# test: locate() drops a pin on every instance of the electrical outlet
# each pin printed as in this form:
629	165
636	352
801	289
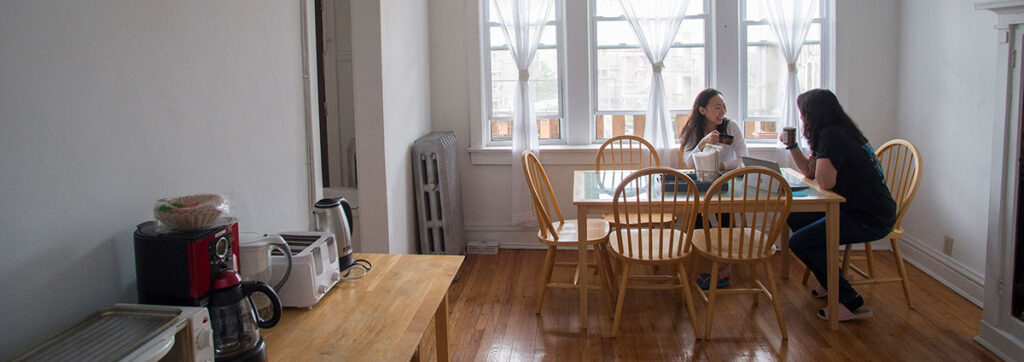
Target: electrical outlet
947	246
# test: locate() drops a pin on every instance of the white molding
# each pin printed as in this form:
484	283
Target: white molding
1002	344
950	272
998	325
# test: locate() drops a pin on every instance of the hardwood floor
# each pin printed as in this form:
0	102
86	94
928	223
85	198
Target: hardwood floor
492	319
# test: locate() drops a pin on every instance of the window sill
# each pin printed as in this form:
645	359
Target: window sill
572	154
549	155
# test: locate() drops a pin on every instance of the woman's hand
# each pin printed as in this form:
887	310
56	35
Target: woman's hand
711	138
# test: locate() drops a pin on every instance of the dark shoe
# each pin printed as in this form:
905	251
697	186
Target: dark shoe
704	281
846	314
819	292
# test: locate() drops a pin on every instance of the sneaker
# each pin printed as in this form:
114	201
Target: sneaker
704	281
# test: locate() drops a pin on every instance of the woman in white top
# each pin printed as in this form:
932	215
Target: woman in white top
707	125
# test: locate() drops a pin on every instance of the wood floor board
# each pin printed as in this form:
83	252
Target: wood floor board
491	318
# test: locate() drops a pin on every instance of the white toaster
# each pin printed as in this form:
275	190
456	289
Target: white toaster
315	267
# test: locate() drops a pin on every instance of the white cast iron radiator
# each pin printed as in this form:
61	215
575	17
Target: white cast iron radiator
438	194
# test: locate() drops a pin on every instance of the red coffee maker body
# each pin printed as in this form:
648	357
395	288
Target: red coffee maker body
178	267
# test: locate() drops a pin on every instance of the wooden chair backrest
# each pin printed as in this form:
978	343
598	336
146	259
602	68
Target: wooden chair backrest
901	166
643	193
544	201
626	153
750	207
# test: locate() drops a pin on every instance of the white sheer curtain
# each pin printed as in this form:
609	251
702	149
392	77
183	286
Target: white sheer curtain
655	23
789	21
522	22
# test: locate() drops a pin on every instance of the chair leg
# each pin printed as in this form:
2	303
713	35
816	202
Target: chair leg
846	260
622	299
712	293
688	299
785	252
602	270
775	300
807	275
871	260
753	277
549	264
903	272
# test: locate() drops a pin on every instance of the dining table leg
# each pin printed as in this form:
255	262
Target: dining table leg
584	282
441	329
832	249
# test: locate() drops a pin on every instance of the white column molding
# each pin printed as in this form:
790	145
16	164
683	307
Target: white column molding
1000	331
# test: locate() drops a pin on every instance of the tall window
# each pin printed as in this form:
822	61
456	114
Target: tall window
502	75
622	73
764	70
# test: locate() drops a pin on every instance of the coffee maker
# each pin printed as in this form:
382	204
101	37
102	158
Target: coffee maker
178	267
236	324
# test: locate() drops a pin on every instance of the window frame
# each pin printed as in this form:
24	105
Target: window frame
725	68
486	48
826	42
709	66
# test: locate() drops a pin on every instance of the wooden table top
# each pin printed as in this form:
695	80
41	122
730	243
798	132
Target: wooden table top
381	317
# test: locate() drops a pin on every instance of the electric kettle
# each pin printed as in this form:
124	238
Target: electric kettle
236	326
335	215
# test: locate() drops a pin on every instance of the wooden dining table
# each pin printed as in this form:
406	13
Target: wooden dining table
593	192
381	317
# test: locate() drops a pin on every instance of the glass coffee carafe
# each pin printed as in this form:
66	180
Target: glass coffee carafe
236	324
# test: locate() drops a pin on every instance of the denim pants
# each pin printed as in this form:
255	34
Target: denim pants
808	243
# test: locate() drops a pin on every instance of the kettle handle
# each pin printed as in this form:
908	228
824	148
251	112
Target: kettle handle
282	246
314	221
248	288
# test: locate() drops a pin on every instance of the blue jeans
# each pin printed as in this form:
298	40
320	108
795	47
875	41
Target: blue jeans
808	243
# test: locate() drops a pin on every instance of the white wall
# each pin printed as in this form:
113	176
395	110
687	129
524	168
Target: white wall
406	62
867	52
867	47
108	105
391	74
947	84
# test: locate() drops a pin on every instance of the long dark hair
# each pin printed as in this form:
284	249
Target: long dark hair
694	129
821	109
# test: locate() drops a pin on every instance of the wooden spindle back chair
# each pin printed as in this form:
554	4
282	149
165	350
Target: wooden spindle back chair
758	201
901	165
555	231
626	153
669	195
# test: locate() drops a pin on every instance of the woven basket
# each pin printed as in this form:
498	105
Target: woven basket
205	212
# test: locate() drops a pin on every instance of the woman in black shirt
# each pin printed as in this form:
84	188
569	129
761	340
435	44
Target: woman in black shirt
844	162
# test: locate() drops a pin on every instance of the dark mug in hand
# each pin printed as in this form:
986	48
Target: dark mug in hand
789	136
725	139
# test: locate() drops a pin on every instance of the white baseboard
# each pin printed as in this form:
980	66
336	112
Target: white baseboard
1002	344
948	271
507	236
